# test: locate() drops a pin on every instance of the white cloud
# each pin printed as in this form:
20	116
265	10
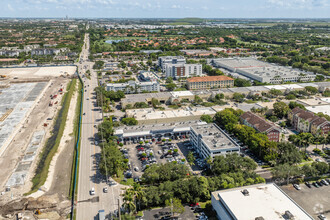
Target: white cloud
291	4
176	6
10	8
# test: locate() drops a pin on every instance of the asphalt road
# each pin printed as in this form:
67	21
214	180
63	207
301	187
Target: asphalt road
89	176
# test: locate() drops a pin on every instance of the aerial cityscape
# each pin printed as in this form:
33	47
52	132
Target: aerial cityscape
206	110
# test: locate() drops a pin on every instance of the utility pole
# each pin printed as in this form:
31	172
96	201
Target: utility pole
172	207
119	214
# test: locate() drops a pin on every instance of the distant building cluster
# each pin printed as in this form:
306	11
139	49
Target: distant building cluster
262	71
304	121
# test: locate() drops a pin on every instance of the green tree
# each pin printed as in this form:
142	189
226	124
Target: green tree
170	86
191	158
169	80
281	109
175	205
285	172
155	103
242	82
238	97
207	118
129	121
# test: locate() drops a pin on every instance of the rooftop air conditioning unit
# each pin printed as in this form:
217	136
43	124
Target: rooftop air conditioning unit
245	192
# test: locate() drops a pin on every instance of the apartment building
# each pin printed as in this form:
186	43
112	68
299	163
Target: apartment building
209	141
304	121
183	70
134	87
261	125
45	51
162	61
210	82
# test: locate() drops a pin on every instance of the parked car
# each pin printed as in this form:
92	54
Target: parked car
320	183
325	182
308	184
105	189
322	217
316	185
296	186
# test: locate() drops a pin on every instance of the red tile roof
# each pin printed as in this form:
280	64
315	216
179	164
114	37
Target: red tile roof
209	78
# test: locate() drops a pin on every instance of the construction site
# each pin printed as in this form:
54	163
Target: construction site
30	101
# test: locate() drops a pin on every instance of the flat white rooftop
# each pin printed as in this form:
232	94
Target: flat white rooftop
266	200
292	86
325	109
278	87
181	93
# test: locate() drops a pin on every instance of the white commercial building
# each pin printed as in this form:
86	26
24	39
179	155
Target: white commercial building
256	202
134	87
183	70
162	61
263	71
209	141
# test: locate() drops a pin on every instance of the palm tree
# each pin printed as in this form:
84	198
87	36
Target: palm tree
128	199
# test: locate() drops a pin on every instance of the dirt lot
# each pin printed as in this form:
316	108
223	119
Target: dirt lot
313	200
58	186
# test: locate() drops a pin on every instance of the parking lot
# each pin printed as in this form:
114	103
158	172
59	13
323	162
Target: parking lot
143	153
313	200
190	213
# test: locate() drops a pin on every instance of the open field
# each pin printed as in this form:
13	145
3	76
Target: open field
37	72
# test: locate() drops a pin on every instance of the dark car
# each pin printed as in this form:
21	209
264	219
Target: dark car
320	183
308	184
316	185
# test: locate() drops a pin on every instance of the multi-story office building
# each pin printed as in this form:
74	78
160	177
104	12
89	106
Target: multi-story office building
261	125
210	82
134	87
162	61
210	141
183	70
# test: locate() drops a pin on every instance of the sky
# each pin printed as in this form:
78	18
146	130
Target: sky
166	8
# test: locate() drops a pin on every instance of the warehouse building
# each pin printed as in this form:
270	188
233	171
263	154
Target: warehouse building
258	202
210	82
262	71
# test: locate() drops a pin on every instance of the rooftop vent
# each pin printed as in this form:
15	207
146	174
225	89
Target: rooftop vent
259	218
246	193
288	215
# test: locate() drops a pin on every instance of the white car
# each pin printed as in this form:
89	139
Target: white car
297	186
92	191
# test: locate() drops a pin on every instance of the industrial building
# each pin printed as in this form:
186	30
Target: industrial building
210	82
262	71
134	87
162	61
258	202
209	141
183	70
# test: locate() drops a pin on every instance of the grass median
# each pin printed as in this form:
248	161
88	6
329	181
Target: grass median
75	132
53	142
